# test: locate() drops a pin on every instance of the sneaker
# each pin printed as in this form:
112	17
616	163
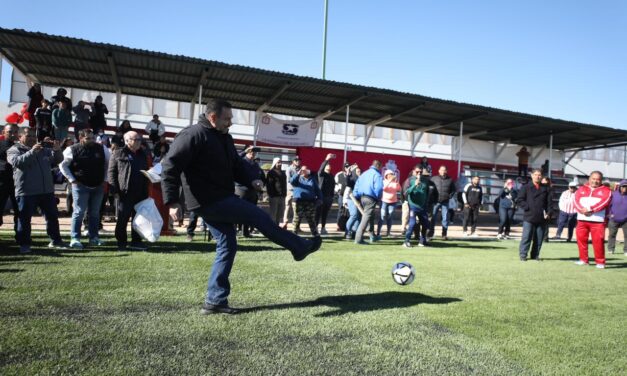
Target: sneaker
430	238
600	266
76	244
421	244
387	234
85	232
189	238
466	233
24	249
323	231
444	237
361	242
523	259
57	245
210	309
474	235
96	241
500	237
137	247
580	263
373	238
407	244
556	238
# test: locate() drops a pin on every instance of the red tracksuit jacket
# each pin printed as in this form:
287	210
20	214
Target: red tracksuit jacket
596	200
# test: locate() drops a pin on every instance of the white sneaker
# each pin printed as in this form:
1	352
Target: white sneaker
466	234
407	244
600	266
86	232
420	245
499	237
75	243
580	263
323	231
474	235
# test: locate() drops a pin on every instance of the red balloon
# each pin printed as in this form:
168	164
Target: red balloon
24	108
26	116
12	118
20	119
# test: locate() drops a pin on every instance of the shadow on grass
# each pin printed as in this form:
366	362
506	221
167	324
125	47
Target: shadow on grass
11	270
449	244
344	304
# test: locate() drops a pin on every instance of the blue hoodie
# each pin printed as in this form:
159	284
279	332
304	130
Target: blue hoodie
618	207
306	189
370	183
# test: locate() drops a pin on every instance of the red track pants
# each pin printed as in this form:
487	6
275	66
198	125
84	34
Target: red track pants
596	231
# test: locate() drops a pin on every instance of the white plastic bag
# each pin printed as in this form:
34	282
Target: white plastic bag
147	221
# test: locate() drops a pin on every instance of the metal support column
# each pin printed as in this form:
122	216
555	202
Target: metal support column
191	112
118	105
624	161
348	110
324	42
459	152
258	115
550	154
321	131
199	99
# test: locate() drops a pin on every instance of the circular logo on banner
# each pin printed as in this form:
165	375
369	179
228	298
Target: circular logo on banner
265	119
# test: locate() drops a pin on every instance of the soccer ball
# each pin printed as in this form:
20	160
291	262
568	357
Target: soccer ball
403	273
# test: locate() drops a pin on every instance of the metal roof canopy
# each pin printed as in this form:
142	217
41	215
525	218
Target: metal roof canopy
62	61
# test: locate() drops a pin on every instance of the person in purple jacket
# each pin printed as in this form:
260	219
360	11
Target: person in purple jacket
618	217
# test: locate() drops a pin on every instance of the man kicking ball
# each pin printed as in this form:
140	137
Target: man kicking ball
204	161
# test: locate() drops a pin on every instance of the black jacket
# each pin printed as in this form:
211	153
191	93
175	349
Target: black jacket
276	183
445	186
205	162
534	202
326	181
6	170
120	171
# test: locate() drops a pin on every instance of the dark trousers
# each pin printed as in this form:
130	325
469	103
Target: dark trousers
126	210
470	217
367	219
252	197
7	191
611	240
533	235
506	217
566	220
423	221
523	169
322	211
27	206
193	223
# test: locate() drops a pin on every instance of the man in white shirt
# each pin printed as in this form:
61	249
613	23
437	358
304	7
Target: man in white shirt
155	129
568	213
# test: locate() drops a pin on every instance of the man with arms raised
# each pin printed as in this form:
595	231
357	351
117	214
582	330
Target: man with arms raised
191	163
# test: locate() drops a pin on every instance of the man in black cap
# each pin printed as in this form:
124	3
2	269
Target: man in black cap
191	162
341	178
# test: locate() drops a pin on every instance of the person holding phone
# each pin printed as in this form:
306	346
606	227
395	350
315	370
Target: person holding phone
32	164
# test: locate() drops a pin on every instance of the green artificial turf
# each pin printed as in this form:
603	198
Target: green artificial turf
473	308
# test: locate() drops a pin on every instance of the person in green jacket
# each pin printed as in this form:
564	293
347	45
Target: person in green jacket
61	119
418	197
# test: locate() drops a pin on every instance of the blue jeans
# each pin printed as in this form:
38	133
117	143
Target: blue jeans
533	234
566	220
220	218
26	206
86	199
353	220
506	218
423	218
386	215
445	223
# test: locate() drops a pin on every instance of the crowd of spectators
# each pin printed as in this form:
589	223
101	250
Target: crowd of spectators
70	143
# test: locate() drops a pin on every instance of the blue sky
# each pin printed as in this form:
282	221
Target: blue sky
562	59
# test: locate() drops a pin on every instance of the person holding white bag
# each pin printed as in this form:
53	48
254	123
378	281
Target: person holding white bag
128	182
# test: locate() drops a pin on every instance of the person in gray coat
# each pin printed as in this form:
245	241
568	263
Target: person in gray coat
32	163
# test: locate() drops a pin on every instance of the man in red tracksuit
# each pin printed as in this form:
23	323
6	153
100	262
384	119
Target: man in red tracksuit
592	202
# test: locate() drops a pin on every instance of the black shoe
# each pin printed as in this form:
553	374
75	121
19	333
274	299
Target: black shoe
210	309
523	259
316	242
137	247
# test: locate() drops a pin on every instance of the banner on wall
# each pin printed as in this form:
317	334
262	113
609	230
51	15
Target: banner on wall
287	132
